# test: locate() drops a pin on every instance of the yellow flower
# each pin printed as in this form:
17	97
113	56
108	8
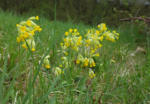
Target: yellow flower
97	54
97	32
114	32
26	35
110	36
23	28
70	30
29	43
78	33
75	30
26	30
100	45
92	63
101	38
17	25
33	49
47	66
89	31
79	41
93	51
32	32
58	71
80	38
88	41
38	28
67	44
65	39
91	74
66	33
28	22
86	62
37	17
117	38
77	61
61	44
24	46
46	62
89	47
102	27
18	40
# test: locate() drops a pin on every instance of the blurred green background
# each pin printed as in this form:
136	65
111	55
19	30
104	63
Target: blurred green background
86	11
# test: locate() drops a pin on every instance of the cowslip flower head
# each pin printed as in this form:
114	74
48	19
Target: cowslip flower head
91	74
102	27
46	63
29	43
58	71
26	32
84	48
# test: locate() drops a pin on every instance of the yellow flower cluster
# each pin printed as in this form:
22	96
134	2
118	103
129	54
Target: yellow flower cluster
111	36
46	62
58	71
85	49
26	32
76	49
73	40
91	74
85	62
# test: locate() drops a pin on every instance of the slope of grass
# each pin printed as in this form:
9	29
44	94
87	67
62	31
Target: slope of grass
125	81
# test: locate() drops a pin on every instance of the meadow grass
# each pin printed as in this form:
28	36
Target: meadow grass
24	81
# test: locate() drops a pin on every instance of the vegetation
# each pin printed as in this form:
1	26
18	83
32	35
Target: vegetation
121	72
87	11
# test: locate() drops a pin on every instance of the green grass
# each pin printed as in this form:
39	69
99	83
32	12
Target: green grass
124	82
